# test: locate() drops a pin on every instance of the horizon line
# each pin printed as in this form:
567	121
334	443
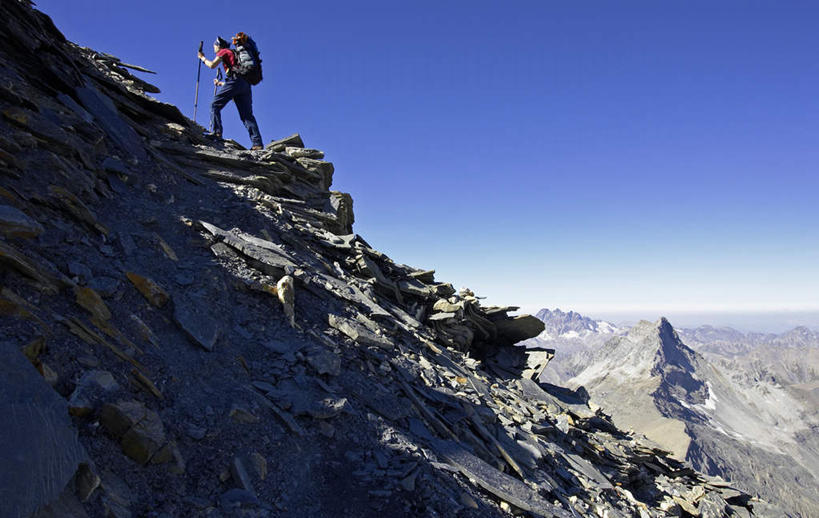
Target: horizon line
711	310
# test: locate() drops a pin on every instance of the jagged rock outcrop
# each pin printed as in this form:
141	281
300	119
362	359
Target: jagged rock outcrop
361	387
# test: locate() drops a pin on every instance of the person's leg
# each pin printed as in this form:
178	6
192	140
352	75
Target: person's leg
244	103
220	100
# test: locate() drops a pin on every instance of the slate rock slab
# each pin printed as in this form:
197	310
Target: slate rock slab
519	328
107	117
504	486
39	449
199	326
293	140
325	362
15	223
358	332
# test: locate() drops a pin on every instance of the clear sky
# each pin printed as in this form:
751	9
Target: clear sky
597	156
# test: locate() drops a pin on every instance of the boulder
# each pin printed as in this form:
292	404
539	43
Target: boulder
39	449
516	329
139	430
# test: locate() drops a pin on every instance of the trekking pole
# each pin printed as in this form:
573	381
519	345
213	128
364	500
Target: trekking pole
218	78
198	73
215	87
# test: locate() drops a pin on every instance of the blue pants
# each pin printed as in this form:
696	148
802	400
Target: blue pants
239	90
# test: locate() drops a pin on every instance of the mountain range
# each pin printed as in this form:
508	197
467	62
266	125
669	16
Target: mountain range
739	405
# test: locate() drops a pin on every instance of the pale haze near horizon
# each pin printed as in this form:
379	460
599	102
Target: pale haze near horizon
636	158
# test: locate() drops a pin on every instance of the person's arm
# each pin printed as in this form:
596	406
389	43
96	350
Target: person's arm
208	63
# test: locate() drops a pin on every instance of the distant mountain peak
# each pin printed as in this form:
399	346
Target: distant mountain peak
570	325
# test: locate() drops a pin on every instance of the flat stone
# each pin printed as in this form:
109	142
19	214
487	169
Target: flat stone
293	140
445	306
505	487
519	328
325	362
300	152
440	317
197	433
275	260
242	415
15	223
259	464
31	268
358	332
327	408
240	476
200	327
90	300
86	482
91	391
184	278
39	448
76	108
107	117
425	276
415	287
350	292
153	292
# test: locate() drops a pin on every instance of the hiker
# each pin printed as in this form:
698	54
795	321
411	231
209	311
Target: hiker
234	87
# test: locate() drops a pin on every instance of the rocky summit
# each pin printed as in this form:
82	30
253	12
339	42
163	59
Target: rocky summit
190	328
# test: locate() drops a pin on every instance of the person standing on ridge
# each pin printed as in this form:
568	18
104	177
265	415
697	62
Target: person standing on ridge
234	87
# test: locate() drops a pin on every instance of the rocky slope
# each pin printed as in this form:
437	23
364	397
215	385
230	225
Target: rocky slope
722	418
192	329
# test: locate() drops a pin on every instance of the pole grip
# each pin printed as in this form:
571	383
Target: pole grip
201	44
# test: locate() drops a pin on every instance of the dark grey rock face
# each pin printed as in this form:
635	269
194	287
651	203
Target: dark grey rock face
39	449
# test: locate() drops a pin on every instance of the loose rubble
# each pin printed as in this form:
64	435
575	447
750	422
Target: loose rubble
231	348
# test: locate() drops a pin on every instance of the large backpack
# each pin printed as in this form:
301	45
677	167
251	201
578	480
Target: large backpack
248	63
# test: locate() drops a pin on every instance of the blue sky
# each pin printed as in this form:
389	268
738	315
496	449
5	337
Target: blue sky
635	157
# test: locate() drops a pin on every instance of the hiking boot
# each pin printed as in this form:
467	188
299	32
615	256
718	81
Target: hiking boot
256	148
